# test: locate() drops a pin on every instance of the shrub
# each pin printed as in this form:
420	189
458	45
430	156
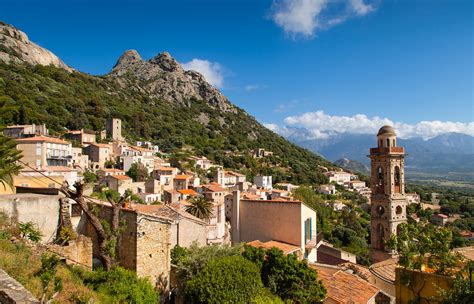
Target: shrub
121	285
225	280
30	231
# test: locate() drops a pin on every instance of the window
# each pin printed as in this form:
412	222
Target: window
399	210
38	163
379	185
307	230
388	142
380	210
396	179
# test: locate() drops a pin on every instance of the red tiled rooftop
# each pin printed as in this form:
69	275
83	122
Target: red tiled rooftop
188	192
343	287
43	139
285	247
182	176
120	176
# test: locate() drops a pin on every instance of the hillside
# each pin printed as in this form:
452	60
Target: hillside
157	101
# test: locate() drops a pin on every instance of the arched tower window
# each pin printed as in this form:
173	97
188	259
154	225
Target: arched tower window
393	143
396	178
380	143
388	142
379	180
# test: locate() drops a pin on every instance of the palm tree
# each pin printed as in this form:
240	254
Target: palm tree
9	156
200	208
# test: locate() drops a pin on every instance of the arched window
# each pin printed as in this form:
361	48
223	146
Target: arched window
388	142
396	178
393	143
399	210
379	180
380	143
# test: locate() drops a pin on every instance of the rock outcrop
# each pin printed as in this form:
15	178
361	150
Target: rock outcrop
163	77
16	47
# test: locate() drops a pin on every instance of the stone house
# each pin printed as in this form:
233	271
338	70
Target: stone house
119	183
141	155
81	137
202	162
338	177
439	219
98	155
181	182
145	242
80	161
20	131
228	178
165	175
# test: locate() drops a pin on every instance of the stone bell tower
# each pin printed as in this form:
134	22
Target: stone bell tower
387	182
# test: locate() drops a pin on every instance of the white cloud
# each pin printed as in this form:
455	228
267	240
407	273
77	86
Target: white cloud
212	71
253	87
321	125
306	17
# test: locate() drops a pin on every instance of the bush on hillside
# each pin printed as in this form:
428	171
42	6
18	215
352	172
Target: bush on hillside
226	280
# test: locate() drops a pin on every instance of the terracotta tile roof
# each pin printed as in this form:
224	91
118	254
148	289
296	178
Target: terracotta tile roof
361	271
163	168
112	170
285	247
188	192
343	287
120	176
214	187
166	211
385	270
250	196
43	139
182	176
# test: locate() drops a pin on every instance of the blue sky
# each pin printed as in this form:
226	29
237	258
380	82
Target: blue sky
317	64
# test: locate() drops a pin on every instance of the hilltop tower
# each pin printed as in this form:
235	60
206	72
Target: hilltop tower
387	182
113	127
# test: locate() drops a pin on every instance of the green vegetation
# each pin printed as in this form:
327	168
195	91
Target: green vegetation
9	156
347	229
138	172
200	208
40	94
220	274
29	231
286	276
230	279
45	277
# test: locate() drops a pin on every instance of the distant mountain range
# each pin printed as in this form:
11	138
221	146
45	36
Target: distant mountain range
450	155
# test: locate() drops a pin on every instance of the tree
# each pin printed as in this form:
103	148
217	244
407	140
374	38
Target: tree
9	157
425	245
138	172
107	232
30	231
225	280
200	208
286	276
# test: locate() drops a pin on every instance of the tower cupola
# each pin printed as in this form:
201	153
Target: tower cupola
386	137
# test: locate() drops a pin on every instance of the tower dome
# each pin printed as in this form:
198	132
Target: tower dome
387	130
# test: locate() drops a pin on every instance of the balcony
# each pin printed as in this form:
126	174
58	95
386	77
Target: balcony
387	150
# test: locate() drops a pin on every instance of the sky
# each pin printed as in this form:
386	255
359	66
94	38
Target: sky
326	66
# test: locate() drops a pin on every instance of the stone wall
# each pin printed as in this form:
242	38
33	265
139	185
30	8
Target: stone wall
40	209
77	252
12	292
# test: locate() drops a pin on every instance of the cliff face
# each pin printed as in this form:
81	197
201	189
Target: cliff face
163	77
16	47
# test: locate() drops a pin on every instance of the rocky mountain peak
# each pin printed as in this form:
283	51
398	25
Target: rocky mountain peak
163	77
166	62
16	47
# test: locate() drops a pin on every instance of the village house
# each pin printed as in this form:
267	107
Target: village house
80	161
286	248
277	193
412	198
328	254
202	162
98	154
228	178
43	151
181	182
215	194
148	145
134	154
286	186
21	131
165	175
290	222
337	205
171	196
356	184
259	153
109	171
82	137
338	177
186	194
262	181
117	182
439	219
327	189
